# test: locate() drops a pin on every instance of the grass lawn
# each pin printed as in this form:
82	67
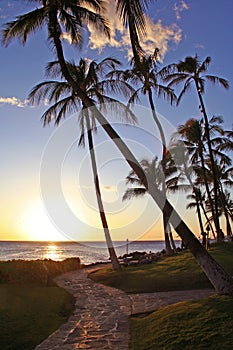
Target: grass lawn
179	272
192	325
28	314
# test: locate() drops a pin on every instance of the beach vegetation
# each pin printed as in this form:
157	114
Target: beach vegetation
178	272
35	272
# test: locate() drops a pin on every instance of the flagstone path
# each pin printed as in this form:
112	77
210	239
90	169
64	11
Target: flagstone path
101	316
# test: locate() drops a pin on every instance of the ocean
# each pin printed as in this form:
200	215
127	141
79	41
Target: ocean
88	252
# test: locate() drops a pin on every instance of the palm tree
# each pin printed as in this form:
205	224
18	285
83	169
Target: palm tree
60	93
162	172
145	74
48	14
186	72
192	136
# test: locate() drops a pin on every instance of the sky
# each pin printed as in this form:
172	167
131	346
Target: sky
46	184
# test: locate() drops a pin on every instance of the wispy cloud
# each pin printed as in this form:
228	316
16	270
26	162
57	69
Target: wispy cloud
199	46
180	7
14	101
109	188
158	35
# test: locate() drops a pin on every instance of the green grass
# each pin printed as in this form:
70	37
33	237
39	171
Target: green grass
179	272
202	324
191	325
29	314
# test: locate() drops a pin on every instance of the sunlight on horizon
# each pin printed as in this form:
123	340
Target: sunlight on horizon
38	227
52	252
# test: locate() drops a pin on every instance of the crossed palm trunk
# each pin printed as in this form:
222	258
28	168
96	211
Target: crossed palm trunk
111	250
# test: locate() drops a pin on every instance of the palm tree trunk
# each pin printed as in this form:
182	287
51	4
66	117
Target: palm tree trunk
168	248
221	281
171	238
216	216
164	152
225	209
199	216
111	250
207	220
196	197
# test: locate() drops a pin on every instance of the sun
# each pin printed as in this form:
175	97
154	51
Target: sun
37	225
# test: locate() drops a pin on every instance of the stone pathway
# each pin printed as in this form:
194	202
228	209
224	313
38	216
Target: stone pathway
101	316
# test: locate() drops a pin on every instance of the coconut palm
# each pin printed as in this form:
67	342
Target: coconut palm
48	14
162	172
192	136
145	74
186	72
64	100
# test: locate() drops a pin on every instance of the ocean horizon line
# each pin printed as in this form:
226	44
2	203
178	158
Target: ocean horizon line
81	241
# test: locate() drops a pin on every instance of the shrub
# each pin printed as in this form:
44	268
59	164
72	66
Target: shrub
38	272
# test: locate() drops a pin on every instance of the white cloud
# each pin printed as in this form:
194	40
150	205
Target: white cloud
158	35
67	37
180	7
14	101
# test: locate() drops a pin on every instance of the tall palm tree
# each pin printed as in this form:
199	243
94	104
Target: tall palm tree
64	100
48	14
186	72
145	74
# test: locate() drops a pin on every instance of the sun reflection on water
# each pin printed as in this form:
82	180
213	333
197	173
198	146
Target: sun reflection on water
53	252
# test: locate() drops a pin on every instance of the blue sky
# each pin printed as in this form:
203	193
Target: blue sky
179	29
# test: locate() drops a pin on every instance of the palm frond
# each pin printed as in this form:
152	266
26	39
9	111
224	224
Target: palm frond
216	80
133	193
23	26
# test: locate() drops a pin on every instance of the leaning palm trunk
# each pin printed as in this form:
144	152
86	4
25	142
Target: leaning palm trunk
221	281
171	238
111	250
199	217
167	234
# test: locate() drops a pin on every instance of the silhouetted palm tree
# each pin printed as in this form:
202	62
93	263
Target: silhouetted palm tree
186	72
145	74
163	173
64	100
49	14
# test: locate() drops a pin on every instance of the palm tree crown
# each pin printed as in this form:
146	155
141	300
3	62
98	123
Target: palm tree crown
66	16
191	70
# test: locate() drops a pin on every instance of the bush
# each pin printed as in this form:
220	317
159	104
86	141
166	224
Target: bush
37	272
